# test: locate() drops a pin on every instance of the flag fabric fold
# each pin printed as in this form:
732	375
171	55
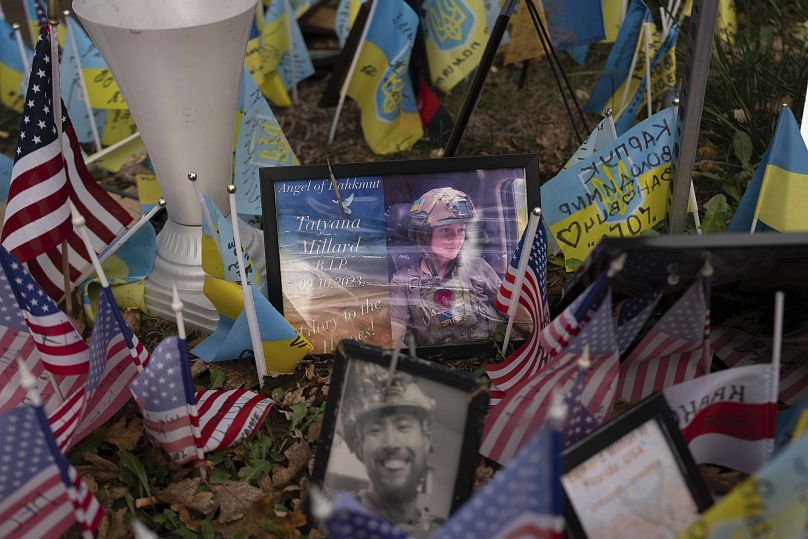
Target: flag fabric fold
728	417
381	84
529	357
574	23
48	171
675	350
41	495
780	184
587	321
116	356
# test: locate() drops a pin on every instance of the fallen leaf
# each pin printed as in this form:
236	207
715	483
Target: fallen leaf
99	467
313	432
293	397
198	368
234	498
117	492
239	373
125	435
184	493
117	527
297	455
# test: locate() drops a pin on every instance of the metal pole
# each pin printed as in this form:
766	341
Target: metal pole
694	86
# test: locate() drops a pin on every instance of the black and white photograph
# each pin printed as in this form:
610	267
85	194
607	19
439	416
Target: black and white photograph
402	444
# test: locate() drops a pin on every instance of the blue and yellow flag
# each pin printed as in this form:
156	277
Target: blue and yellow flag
574	23
260	142
73	95
12	70
609	89
621	190
283	347
347	10
252	58
772	502
381	84
455	34
663	78
779	188
102	89
280	72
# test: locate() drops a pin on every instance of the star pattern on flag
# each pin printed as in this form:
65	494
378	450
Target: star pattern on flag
39	127
105	331
24	453
161	384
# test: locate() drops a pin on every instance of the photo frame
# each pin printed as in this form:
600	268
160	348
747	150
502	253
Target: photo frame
360	270
643	448
421	438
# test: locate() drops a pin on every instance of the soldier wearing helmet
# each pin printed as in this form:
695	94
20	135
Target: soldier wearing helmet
390	433
445	295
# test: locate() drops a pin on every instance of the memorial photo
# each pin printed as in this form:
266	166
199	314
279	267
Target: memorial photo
386	247
402	444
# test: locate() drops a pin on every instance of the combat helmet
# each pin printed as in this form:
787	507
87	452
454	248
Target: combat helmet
365	398
439	206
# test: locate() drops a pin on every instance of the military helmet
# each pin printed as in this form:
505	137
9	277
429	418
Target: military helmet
365	398
440	206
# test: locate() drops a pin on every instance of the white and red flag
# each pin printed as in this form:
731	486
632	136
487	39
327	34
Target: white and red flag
728	417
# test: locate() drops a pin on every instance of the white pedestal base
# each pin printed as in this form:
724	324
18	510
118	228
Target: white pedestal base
179	261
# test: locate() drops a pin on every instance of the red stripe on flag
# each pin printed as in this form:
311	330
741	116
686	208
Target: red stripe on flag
739	420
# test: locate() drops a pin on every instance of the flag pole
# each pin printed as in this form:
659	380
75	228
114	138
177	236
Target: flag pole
28	383
247	293
21	47
694	203
111	148
71	37
777	338
556	416
648	90
28	19
193	410
192	177
343	92
629	77
516	291
290	42
804	124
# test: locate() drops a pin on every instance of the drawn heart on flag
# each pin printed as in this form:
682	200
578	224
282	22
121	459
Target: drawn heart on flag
570	235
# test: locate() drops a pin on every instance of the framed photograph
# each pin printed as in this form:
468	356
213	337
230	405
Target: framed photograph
419	245
633	478
406	447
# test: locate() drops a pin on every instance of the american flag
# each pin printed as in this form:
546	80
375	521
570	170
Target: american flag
580	422
631	315
349	520
116	356
675	350
519	501
165	393
48	171
523	411
529	357
41	495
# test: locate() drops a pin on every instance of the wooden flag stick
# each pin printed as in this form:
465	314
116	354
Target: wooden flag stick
71	38
516	291
193	410
247	293
343	92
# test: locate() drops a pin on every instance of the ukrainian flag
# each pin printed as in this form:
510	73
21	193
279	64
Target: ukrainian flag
277	58
381	84
12	70
772	502
609	90
778	191
102	89
347	10
252	59
283	347
455	36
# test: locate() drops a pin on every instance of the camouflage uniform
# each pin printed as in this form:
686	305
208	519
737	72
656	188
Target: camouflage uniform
458	306
365	400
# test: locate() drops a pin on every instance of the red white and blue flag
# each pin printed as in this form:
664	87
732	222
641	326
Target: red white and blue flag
529	357
48	172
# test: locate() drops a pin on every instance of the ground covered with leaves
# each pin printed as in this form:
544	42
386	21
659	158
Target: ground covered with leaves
259	488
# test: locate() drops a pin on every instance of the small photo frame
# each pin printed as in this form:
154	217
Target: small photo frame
419	245
408	453
633	478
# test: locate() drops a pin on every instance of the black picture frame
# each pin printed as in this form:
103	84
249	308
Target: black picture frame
413	171
652	410
472	391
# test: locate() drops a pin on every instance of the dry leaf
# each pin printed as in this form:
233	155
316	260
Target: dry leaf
239	373
234	499
132	319
297	455
198	368
123	435
99	467
117	492
293	397
184	493
117	527
313	433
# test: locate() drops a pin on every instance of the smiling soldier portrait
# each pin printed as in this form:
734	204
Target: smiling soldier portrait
391	435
